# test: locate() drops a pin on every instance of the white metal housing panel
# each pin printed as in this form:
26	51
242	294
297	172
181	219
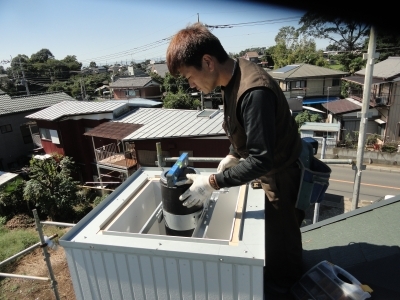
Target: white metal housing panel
94	288
186	279
81	268
113	280
101	275
257	282
171	269
123	275
147	275
137	284
73	273
243	282
212	277
160	278
227	283
199	280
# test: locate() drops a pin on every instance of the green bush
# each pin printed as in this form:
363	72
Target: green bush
389	147
12	199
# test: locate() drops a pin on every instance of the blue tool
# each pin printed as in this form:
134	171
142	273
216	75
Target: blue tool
176	170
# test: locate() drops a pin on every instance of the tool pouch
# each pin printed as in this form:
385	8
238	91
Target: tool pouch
314	178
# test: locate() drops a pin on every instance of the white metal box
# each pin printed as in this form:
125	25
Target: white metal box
115	253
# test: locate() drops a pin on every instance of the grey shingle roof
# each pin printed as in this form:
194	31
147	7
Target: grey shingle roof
73	108
131	82
385	69
306	71
168	123
18	104
365	242
160	69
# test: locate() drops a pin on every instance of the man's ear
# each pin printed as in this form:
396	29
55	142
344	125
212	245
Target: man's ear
208	62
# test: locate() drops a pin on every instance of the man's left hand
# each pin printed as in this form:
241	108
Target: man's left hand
198	192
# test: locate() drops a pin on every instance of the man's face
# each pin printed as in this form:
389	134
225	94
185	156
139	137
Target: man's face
203	80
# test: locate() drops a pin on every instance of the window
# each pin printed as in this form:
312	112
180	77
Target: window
335	82
130	93
323	133
45	133
26	134
298	84
6	128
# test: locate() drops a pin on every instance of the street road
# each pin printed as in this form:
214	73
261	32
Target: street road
374	183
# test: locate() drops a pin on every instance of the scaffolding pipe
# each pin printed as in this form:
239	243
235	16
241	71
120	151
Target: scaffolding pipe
23	276
46	254
27	250
58	223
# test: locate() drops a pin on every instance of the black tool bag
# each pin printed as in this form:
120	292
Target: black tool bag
314	178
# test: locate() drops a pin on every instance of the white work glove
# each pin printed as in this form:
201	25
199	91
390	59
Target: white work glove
228	162
198	192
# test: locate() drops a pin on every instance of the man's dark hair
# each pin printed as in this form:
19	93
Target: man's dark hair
189	45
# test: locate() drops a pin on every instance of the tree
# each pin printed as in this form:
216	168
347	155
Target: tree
387	44
11	199
344	34
306	116
42	56
92	64
347	35
180	100
174	84
291	47
51	186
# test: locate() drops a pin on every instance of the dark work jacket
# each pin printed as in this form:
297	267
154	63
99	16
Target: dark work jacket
249	76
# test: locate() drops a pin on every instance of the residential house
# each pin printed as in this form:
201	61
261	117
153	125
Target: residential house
16	138
197	132
134	87
346	113
364	242
385	96
318	131
314	84
252	56
62	127
160	69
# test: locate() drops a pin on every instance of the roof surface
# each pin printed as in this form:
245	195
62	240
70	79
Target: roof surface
73	108
160	69
141	102
303	71
167	123
343	106
316	126
361	79
130	82
385	69
113	130
365	242
18	104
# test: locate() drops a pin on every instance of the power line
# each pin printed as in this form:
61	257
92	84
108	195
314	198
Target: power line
272	21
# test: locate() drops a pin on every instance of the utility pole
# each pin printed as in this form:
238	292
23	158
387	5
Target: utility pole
370	56
198	18
23	78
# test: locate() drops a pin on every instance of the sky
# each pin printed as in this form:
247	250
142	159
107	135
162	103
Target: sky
115	31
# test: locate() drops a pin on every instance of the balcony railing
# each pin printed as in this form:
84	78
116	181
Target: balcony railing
112	156
377	99
308	92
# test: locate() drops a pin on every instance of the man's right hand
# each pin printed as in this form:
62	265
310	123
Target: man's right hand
228	162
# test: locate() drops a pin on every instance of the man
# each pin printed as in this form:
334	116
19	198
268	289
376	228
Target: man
261	130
